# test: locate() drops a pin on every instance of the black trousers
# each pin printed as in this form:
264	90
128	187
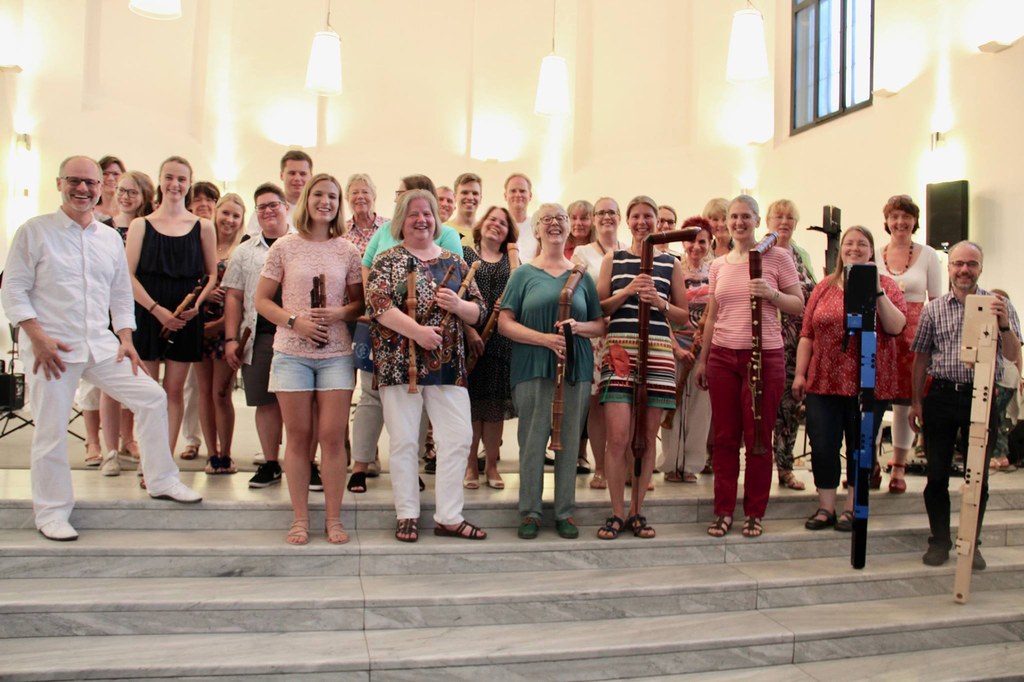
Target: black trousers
947	412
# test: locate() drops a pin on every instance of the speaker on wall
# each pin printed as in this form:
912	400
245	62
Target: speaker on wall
946	213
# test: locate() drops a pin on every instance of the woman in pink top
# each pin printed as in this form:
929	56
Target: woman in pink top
827	370
312	347
722	366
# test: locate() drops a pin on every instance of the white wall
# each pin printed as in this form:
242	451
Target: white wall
652	112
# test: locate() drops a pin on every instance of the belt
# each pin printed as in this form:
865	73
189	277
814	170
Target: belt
954	386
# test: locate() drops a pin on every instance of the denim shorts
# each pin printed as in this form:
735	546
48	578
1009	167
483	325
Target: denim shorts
289	373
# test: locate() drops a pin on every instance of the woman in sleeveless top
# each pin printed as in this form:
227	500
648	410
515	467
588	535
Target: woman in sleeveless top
623	290
168	252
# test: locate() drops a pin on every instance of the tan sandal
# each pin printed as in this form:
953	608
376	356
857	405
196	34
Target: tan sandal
190	452
336	534
787	479
131	450
298	532
599	482
93	455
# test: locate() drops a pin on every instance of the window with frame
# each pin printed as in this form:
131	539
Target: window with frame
832	54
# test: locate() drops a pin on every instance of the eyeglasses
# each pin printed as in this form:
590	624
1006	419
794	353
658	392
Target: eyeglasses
125	192
549	219
605	213
269	207
972	264
75	182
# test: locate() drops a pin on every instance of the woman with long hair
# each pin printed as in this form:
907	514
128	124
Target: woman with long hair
216	410
623	289
313	366
828	372
490	393
722	366
168	252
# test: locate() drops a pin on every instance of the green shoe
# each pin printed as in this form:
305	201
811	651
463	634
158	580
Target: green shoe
567	528
529	528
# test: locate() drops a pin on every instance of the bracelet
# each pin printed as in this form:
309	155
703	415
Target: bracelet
152	307
880	294
291	321
775	296
230	339
664	311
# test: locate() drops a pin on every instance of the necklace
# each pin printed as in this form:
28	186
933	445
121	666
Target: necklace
885	260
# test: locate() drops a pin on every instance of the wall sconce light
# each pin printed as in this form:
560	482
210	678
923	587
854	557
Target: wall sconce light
323	73
883	92
10	68
748	56
553	84
936	139
163	10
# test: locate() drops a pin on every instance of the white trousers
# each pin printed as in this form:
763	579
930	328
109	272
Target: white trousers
190	429
52	495
448	409
684	446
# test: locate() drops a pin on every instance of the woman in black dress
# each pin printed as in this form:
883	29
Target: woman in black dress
168	252
490	394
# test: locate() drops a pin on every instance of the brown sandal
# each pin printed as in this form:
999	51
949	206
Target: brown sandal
719	528
465	530
787	479
407	530
752	527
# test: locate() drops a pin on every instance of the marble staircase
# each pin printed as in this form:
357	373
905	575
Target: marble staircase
153	590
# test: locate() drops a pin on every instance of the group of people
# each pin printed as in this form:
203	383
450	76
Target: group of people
453	324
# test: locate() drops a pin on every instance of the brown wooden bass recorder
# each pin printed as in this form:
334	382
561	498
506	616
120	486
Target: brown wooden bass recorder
566	361
410	310
239	353
187	303
755	377
318	298
440	285
492	319
639	443
463	288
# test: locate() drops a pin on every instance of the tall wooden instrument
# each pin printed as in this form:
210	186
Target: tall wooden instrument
859	300
639	442
980	348
492	319
239	353
410	310
187	303
755	378
318	298
566	361
442	284
467	280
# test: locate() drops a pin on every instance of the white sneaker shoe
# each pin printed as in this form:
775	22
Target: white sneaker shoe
110	465
178	492
58	530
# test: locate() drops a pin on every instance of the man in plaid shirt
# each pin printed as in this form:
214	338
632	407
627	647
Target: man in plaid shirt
946	409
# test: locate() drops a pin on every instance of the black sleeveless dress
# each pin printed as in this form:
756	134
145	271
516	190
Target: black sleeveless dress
169	269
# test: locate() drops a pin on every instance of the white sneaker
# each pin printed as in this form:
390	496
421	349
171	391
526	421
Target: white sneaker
58	530
178	492
110	466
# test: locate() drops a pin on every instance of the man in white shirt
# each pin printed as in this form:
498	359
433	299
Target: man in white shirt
65	281
518	193
296	170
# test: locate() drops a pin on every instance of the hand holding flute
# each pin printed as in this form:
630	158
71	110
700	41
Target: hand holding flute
185	311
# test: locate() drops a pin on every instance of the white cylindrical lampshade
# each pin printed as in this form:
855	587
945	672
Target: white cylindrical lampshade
323	74
748	56
156	9
552	87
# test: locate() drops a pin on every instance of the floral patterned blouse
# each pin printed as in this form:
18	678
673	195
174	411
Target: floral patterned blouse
387	288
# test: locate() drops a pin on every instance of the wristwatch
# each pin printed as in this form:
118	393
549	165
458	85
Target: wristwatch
291	321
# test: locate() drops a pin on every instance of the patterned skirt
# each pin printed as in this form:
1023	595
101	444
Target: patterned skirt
618	371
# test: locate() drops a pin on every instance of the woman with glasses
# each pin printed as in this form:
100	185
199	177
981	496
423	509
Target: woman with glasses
667	219
113	168
420	363
216	409
918	273
168	252
313	348
623	289
606	240
722	366
530	318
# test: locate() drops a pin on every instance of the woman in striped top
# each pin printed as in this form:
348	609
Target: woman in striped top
722	366
622	290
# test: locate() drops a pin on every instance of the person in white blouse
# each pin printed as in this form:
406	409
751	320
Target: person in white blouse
65	281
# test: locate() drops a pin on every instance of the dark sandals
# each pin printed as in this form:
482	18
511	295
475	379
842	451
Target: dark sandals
465	530
220	466
357	482
719	528
407	530
638	524
752	527
823	518
613	525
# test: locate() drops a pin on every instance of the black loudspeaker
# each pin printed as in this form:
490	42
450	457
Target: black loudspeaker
946	211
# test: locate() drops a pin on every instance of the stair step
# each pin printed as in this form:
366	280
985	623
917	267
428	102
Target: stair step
602	649
103	606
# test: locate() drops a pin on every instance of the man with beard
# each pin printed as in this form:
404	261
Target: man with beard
946	409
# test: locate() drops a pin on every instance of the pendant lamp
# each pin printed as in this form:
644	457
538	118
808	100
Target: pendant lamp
156	9
323	73
748	56
553	84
